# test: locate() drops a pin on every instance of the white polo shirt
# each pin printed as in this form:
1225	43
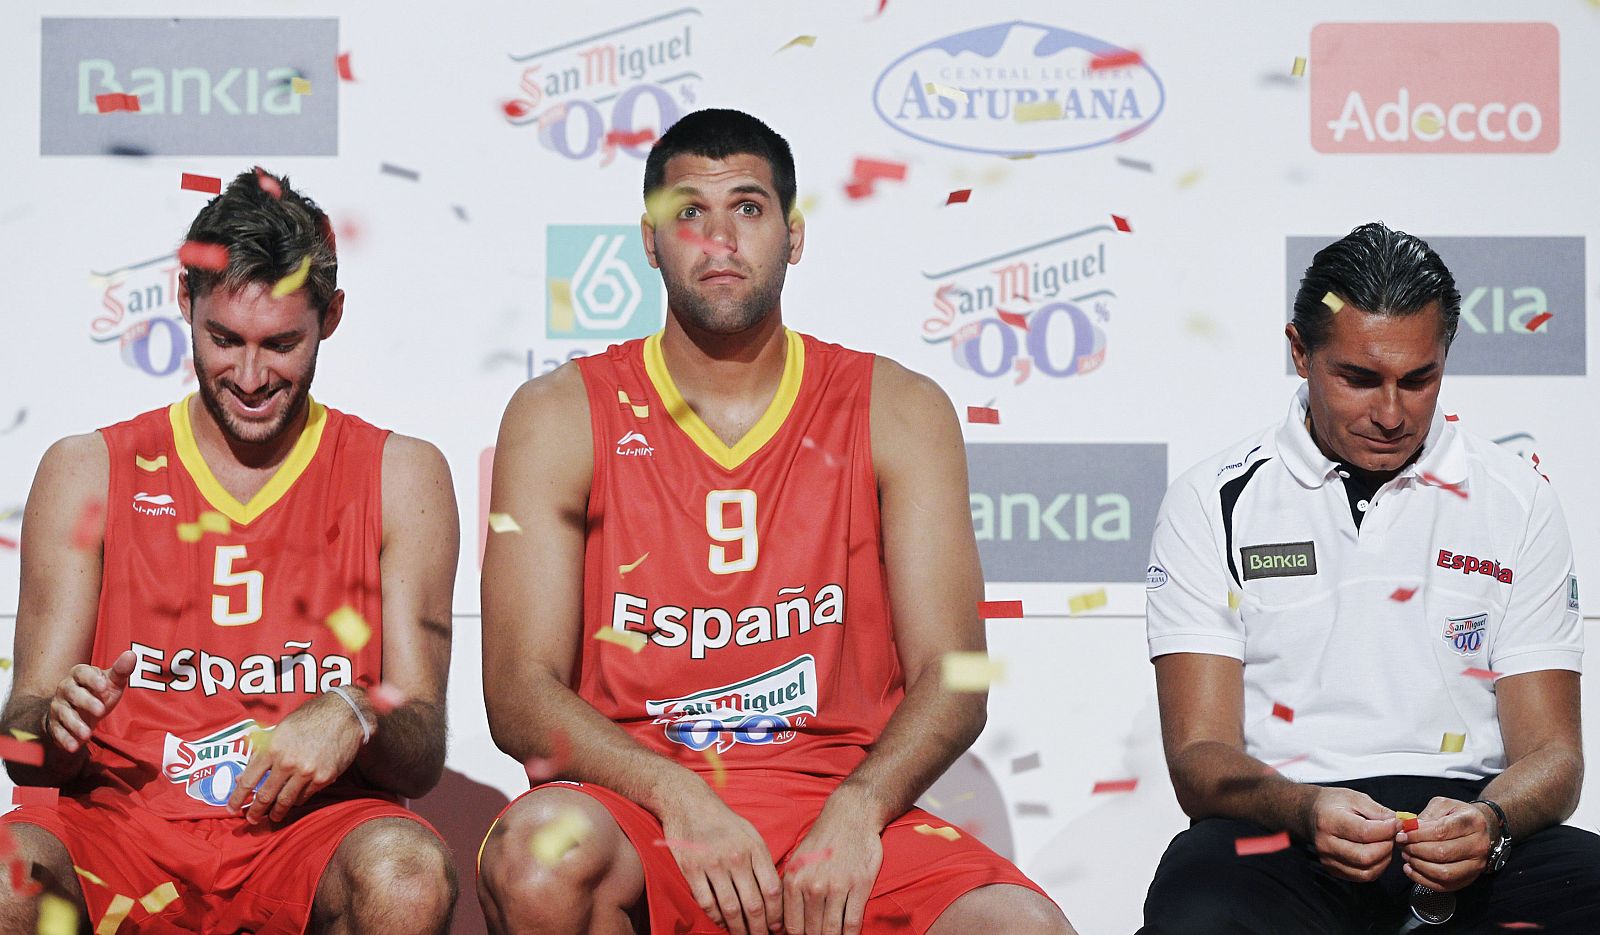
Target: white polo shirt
1374	682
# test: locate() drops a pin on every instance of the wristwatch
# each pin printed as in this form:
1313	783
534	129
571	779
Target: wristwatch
1502	845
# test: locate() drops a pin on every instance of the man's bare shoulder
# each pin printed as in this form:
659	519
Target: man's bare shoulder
905	402
412	460
78	462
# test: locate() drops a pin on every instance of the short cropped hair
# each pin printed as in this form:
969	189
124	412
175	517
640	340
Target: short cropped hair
718	134
268	228
1379	271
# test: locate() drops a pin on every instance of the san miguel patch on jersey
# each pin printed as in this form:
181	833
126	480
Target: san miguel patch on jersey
758	710
1465	634
209	767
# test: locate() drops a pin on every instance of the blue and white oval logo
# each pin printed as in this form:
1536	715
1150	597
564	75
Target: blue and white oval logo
980	76
1155	577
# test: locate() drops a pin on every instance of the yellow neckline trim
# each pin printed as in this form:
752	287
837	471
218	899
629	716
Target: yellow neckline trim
794	363
288	472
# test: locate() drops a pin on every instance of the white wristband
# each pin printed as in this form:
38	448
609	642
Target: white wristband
366	728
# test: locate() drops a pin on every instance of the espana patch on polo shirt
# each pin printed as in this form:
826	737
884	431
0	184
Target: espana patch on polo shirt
1279	560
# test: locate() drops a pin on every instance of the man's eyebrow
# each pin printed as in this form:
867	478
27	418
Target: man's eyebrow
1354	370
232	335
748	188
1422	371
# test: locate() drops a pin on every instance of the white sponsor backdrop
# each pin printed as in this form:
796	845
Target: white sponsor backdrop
447	278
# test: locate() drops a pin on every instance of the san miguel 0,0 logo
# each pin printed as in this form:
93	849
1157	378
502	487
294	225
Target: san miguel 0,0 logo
961	92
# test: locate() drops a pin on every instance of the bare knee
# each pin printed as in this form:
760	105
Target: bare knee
399	877
48	869
1002	907
550	859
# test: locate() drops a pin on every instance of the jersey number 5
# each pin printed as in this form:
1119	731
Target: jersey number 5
222	612
743	532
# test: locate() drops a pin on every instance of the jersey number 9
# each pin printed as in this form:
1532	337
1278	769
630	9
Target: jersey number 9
743	532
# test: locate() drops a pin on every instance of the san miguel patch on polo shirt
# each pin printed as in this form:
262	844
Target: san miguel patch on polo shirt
1279	560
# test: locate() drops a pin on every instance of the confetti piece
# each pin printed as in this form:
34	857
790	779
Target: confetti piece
1274	767
514	109
1283	712
349	628
983	415
342	64
203	256
1121	223
807	41
461	213
1299	68
111	103
1539	319
1266	844
970	671
189	532
1021	155
544	768
299	85
389	168
294	280
624	569
116	912
268	183
57	916
960	197
260	739
385	698
211	521
23	735
1402	594
1408	821
201	183
87	529
947	832
88	875
1115	60
1452	743
1034	809
1488	675
871	170
5	664
1023	764
563	833
1333	302
159	898
1139	164
7	543
38	796
858	190
1428	123
799	861
1105	786
626	638
1189	178
1000	610
636	138
503	522
719	775
1453	488
1451	417
561	302
1522	926
1233	600
1083	603
707	246
954	94
1036	111
21	751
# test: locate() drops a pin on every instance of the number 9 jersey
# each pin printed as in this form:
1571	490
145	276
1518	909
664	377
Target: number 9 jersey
751	574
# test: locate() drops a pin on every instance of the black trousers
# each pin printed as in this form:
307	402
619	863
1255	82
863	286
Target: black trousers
1202	887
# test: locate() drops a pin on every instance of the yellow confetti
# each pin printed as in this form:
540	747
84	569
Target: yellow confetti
719	776
118	910
1021	155
970	671
503	522
624	569
628	638
1083	603
349	628
1452	743
1428	123
150	464
1233	600
563	833
260	739
5	663
214	522
189	532
1299	69
562	317
300	85
57	916
639	412
807	41
294	280
663	205
1037	110
23	735
159	898
1405	816
947	832
1189	178
1333	302
88	875
954	94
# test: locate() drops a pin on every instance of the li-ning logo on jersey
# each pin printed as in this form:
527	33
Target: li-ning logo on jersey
1465	634
634	444
154	504
759	710
793	614
209	767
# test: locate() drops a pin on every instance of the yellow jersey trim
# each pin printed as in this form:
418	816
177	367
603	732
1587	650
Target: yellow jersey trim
794	363
305	448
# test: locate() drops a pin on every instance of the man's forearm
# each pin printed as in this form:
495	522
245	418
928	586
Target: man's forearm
1216	780
27	713
406	755
1539	790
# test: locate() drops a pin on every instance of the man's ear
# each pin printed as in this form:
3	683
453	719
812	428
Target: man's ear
647	233
332	317
1297	350
797	234
184	299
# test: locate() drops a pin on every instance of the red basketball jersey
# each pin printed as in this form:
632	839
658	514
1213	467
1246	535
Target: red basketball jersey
229	630
756	570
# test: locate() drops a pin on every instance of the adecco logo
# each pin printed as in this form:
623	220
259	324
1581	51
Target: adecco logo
1435	88
1504	283
994	68
1065	512
206	87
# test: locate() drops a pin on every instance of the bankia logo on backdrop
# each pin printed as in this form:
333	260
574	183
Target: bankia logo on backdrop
995	68
206	87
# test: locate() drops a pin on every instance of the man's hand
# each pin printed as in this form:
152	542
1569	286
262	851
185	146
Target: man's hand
827	881
309	749
727	864
1450	847
83	699
1353	835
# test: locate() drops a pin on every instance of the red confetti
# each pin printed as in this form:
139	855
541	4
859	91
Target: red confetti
90	524
1539	319
268	183
21	751
874	169
983	415
342	63
41	796
202	183
1114	785
1402	594
958	197
810	857
110	103
706	244
1266	844
543	768
203	255
1115	60
1522	926
1429	478
1283	712
1486	674
881	5
1000	610
858	190
1122	223
386	698
1410	824
1451	417
514	109
1014	319
7	543
636	138
1274	767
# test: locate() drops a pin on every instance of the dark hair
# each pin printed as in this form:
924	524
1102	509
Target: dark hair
269	229
1378	271
718	134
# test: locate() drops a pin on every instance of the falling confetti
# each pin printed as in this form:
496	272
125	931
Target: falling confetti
294	280
299	85
1114	60
23	735
203	255
88	875
983	415
1105	786
1402	594
1083	603
1023	764
707	246
1121	223
1139	164
1266	844
1299	68
57	916
799	861
39	796
1036	111
1274	767
1427	123
389	168
189	532
201	183
349	628
1283	712
719	775
342	64
1408	821
625	138
115	913
807	41
970	671
1333	302
21	751
1451	417
1539	319
958	197
268	183
1452	743
947	832
111	103
1189	178
214	522
624	569
1488	675
1233	600
385	698
563	833
87	529
544	768
159	898
5	664
953	94
1453	488
1033	809
1000	610
626	638
260	739
503	522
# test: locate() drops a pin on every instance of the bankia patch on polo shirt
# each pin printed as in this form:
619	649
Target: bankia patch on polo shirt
1279	560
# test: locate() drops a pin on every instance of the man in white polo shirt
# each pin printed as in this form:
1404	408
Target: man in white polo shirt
1361	611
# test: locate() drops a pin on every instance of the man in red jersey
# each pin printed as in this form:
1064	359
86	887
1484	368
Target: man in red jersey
209	593
783	525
